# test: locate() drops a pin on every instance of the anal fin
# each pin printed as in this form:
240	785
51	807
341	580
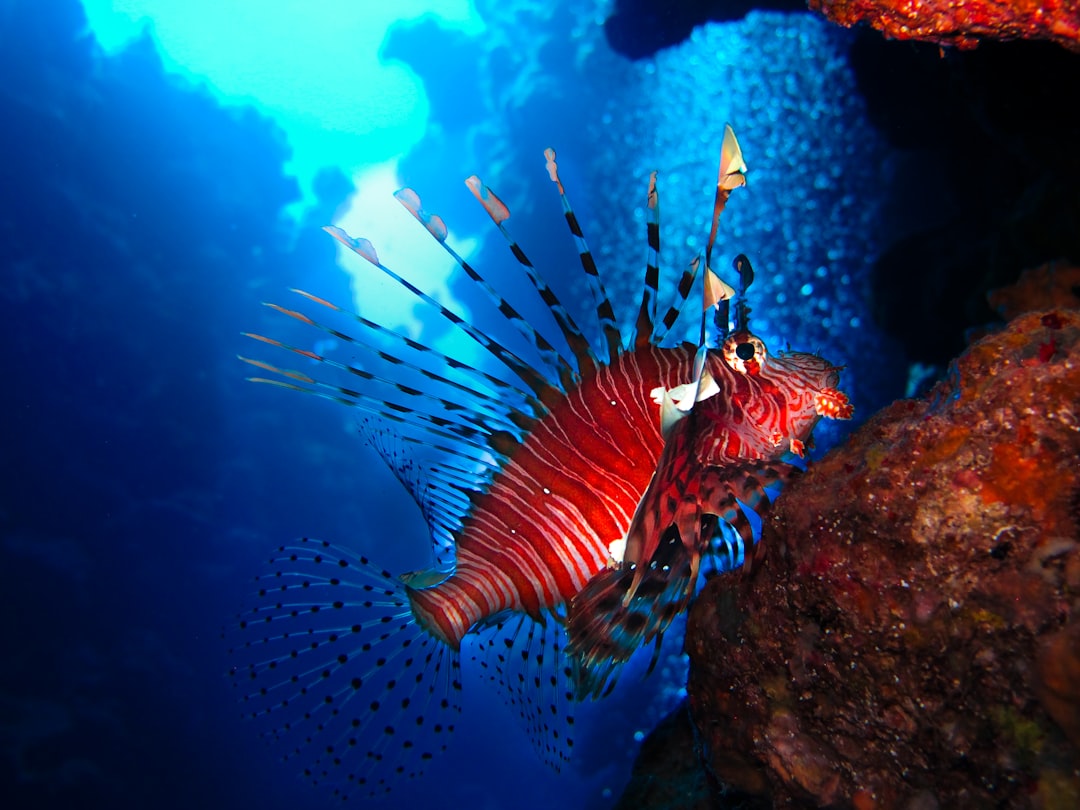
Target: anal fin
526	660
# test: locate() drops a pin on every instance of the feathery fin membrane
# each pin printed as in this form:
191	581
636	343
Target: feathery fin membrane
339	674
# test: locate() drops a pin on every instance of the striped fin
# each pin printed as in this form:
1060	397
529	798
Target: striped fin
604	311
544	390
486	405
625	607
437	228
683	288
478	377
729	491
643	328
335	671
613	629
460	449
435	426
477	419
525	659
726	552
499	213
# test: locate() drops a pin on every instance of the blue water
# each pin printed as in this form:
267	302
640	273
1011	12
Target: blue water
142	222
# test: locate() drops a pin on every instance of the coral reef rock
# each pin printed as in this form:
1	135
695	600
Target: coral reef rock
946	22
1053	284
912	639
668	773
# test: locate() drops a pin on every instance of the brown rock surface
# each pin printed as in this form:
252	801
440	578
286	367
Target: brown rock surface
669	774
912	639
1051	285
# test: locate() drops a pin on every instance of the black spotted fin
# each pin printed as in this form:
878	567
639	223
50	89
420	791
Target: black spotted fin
525	659
339	673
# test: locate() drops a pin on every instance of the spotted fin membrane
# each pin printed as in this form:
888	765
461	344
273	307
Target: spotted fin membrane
339	672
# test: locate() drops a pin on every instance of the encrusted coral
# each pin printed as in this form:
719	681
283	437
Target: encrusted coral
912	638
1051	285
963	24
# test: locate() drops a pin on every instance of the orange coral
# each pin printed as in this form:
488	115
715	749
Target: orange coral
915	579
963	24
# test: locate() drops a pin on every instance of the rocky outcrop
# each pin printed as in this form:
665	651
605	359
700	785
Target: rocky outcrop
961	24
912	639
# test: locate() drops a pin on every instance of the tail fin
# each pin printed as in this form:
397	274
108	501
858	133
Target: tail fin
332	666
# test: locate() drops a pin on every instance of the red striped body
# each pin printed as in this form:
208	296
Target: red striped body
543	528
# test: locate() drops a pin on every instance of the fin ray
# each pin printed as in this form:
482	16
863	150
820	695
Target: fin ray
604	311
572	334
525	658
646	319
537	383
437	228
346	683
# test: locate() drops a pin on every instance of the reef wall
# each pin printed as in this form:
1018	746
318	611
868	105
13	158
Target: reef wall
961	24
912	638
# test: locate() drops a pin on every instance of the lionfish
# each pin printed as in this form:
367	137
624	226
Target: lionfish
576	496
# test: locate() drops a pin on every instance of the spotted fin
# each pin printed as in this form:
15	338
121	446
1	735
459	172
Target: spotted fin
334	670
525	659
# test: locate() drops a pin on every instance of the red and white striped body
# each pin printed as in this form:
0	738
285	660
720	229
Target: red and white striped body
544	528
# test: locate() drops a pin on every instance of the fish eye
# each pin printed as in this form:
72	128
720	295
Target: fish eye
744	353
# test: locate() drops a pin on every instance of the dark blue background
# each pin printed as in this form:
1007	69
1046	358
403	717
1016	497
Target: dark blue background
142	480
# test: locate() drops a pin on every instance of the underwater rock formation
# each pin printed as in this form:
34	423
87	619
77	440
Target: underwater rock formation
913	637
961	24
638	29
1055	284
668	774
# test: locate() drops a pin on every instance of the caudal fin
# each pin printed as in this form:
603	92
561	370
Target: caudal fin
333	668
